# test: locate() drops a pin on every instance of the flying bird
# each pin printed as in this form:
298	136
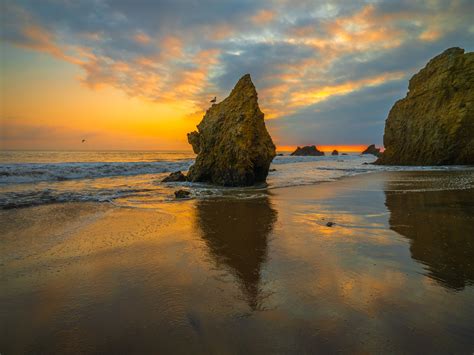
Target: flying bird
213	101
83	140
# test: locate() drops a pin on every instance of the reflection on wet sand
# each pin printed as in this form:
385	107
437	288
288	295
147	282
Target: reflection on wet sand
185	278
236	233
437	224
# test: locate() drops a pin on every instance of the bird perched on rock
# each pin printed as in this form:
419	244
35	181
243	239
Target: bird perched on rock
213	101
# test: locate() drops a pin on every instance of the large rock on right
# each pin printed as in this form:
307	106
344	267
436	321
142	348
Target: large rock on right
434	123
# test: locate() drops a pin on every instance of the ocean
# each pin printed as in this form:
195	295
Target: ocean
133	178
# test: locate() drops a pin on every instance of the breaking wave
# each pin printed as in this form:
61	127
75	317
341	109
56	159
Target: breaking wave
138	183
33	172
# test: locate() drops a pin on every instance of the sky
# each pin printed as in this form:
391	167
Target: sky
139	74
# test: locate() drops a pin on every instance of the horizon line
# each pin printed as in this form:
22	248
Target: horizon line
283	148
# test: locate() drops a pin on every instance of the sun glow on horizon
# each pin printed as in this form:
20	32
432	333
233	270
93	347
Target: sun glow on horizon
126	83
106	117
327	148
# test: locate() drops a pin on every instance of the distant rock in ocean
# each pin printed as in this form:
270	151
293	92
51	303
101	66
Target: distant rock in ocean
175	177
308	150
232	144
434	123
372	150
335	152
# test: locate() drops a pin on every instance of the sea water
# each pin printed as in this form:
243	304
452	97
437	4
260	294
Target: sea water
133	178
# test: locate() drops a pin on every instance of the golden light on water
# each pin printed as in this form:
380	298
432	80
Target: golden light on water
328	148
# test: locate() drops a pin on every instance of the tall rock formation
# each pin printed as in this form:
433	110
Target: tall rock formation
434	123
232	144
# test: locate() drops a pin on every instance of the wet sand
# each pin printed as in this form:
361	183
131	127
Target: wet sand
395	274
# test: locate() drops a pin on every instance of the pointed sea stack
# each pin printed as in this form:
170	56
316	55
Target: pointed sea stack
434	123
232	144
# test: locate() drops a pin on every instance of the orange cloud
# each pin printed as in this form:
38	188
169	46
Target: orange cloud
171	47
312	96
293	93
43	41
219	32
142	38
263	17
357	32
430	35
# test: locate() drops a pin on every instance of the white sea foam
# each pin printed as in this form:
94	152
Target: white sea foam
138	183
35	172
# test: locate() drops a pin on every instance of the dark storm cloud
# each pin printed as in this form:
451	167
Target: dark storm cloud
261	60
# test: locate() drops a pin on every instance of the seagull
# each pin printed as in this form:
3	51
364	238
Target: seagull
213	100
83	140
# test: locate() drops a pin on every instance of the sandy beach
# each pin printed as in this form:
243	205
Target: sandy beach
394	274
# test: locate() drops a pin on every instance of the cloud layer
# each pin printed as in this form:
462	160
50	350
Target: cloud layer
327	71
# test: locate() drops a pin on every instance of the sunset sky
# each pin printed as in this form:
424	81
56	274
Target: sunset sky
139	74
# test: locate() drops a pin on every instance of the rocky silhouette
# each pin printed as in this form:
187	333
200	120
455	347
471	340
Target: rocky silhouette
437	238
232	144
236	234
175	177
372	150
182	194
308	150
335	152
434	123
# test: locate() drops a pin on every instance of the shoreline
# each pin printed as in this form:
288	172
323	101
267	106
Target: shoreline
261	190
137	181
393	274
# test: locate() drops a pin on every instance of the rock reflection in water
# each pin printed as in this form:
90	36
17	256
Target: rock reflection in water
440	226
236	233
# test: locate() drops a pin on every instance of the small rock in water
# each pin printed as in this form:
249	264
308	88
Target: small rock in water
307	151
330	224
272	170
174	177
181	193
371	149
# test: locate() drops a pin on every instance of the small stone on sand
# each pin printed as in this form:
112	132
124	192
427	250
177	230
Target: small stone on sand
181	194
